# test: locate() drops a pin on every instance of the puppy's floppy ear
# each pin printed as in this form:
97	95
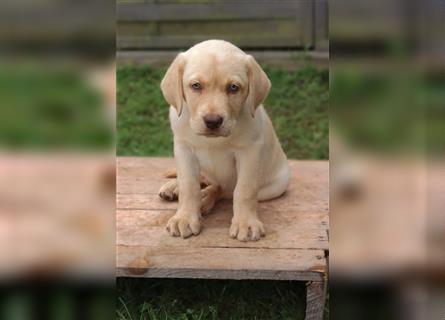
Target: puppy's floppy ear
259	85
171	85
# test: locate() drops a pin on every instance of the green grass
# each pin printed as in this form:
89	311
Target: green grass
142	113
390	112
298	107
297	104
48	108
209	299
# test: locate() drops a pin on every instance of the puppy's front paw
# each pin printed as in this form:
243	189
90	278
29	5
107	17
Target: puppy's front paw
184	226
247	229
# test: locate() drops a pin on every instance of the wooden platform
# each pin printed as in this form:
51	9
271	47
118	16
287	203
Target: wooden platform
294	248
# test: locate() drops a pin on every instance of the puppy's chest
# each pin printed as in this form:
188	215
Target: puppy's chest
219	166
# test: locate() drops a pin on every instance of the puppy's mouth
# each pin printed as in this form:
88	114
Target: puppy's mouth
214	133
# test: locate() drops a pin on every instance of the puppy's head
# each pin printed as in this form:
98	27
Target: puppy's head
218	83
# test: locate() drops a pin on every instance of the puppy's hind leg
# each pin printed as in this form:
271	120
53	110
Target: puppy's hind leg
169	191
210	195
276	187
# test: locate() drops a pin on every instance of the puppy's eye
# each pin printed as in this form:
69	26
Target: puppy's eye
196	86
232	88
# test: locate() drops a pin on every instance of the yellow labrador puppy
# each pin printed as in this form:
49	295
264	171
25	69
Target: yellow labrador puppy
223	139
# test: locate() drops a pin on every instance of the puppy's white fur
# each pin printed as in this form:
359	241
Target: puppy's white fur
242	159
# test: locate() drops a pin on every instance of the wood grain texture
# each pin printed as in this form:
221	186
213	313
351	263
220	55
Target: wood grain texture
179	25
208	11
296	229
242	40
219	263
315	300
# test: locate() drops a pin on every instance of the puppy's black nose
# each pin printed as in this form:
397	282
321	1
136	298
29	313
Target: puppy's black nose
213	121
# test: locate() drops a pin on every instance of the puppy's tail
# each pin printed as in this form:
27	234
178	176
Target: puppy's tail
170	173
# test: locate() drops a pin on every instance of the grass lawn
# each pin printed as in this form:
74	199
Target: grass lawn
209	299
298	106
49	108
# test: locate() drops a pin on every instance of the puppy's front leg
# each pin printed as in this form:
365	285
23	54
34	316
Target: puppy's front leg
245	223
186	220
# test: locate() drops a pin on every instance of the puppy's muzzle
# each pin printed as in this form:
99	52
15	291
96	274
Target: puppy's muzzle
212	121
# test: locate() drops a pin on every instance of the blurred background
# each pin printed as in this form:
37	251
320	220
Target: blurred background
387	220
57	107
290	41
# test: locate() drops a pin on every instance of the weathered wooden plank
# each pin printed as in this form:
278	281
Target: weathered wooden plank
303	202
186	41
222	29
209	28
304	207
151	165
220	263
312	175
315	300
141	165
305	23
222	217
141	29
138	187
204	11
180	25
309	187
296	227
277	236
321	25
284	230
283	59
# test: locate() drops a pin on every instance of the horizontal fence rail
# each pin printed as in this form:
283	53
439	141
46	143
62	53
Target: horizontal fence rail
179	24
209	11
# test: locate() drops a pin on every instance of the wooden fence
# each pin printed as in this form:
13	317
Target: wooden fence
260	24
